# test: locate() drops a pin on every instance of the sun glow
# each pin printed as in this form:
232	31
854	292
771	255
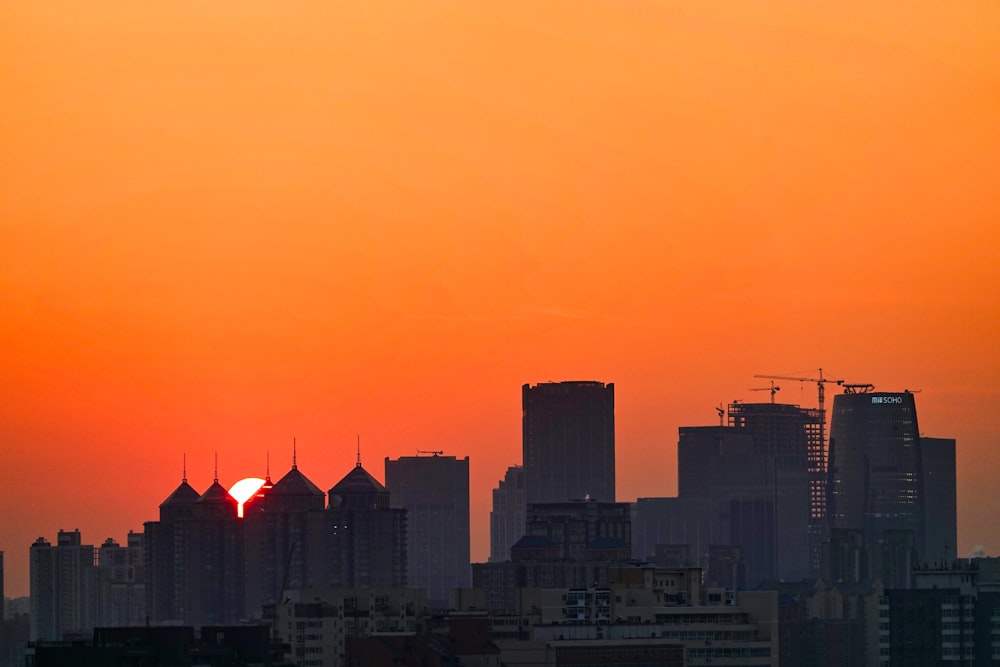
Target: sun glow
244	490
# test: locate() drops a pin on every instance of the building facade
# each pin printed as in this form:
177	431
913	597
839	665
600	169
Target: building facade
568	431
434	491
63	584
507	518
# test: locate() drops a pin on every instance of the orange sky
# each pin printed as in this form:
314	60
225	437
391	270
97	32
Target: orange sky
226	224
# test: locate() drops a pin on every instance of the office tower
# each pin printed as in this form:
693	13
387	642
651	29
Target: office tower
283	529
877	481
63	587
3	600
569	441
434	491
938	458
507	518
365	537
747	485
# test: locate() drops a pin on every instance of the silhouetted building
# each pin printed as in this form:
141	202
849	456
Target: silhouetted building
949	617
121	582
434	491
940	507
284	539
194	558
170	646
507	518
169	556
585	529
365	536
215	573
63	582
569	441
877	482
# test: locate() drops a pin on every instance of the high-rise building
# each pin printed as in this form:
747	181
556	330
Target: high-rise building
434	491
195	558
3	600
283	537
940	509
365	537
121	582
569	441
876	492
507	518
63	587
169	555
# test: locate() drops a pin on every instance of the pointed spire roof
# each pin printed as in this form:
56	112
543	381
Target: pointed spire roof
217	493
184	494
294	483
358	481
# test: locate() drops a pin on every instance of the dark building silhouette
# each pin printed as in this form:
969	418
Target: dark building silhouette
940	506
876	493
584	530
63	582
121	582
284	545
569	441
169	555
365	537
744	504
195	558
507	518
434	491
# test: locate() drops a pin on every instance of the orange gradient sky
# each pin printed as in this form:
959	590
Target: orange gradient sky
227	224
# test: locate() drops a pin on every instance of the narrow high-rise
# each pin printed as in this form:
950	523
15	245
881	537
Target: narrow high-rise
63	587
568	441
434	491
507	518
876	492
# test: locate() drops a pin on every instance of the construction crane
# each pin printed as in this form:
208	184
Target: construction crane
722	413
430	451
820	382
773	389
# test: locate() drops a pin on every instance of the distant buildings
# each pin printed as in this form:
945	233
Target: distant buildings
940	506
434	491
568	441
507	519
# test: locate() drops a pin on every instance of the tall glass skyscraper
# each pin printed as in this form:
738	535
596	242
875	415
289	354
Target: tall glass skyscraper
876	492
569	441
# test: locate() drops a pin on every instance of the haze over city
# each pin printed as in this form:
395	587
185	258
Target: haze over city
224	226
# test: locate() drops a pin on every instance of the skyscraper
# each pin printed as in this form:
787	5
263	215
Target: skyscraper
284	539
876	492
940	510
568	441
507	518
63	581
434	491
365	537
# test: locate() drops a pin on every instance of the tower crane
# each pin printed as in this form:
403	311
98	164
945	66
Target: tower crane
820	381
773	389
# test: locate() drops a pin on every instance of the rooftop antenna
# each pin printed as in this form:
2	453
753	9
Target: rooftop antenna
184	468
358	464
217	467
295	456
721	413
267	466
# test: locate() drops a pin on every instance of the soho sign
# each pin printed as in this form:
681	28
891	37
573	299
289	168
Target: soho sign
887	399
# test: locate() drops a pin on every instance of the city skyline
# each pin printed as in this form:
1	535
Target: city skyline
223	228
